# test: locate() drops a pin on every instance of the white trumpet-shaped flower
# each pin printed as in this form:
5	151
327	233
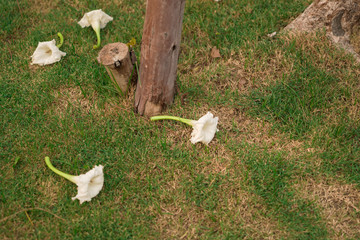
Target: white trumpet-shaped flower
97	19
204	129
89	184
47	53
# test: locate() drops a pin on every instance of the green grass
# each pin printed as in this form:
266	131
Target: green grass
301	102
288	110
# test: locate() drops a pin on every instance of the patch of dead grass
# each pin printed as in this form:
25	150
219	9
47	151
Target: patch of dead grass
237	212
253	69
181	220
16	229
320	50
235	126
340	204
242	71
50	191
78	5
240	127
9	171
72	97
355	39
43	7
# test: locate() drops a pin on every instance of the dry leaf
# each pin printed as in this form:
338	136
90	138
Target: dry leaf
242	83
215	53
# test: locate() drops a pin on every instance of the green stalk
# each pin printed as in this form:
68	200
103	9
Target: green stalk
97	31
183	120
61	40
115	83
58	172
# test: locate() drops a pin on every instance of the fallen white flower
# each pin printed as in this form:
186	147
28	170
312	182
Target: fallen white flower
97	19
204	129
89	184
47	53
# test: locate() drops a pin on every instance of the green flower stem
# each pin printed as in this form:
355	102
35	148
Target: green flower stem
183	120
61	40
58	172
97	31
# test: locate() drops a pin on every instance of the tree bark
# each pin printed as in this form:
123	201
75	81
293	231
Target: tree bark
338	17
116	59
159	56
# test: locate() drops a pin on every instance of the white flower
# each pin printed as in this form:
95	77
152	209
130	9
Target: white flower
94	18
97	19
204	129
89	184
46	53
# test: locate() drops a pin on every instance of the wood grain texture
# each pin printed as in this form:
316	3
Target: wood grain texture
159	56
116	59
337	17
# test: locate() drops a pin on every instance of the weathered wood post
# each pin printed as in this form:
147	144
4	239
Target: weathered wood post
116	59
337	17
159	55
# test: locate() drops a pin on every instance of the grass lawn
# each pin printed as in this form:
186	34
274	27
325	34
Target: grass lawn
285	163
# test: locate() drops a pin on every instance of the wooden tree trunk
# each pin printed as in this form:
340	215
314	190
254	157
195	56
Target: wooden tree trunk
338	17
116	59
159	56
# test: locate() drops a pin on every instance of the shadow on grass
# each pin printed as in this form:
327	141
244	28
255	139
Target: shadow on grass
311	104
270	177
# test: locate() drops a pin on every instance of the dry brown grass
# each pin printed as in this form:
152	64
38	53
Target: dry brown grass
9	171
238	208
320	50
256	131
50	190
340	204
72	97
43	7
355	39
237	72
181	220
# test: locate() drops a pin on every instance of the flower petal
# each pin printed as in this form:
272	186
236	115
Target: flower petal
204	129
93	17
89	184
47	53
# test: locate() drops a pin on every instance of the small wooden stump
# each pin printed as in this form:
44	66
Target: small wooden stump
116	59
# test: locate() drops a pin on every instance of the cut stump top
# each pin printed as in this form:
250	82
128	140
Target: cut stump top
112	53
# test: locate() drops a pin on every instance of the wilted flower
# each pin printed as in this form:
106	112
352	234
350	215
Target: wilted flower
204	129
97	19
47	53
89	184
